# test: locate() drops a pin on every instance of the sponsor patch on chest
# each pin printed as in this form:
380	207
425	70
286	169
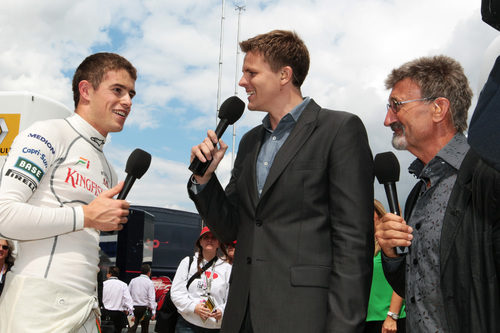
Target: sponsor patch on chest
78	180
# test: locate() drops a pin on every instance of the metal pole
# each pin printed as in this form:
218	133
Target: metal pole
221	44
238	51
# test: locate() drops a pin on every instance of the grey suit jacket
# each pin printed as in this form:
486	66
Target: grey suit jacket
304	255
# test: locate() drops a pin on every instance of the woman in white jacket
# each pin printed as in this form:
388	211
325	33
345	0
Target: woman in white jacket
195	313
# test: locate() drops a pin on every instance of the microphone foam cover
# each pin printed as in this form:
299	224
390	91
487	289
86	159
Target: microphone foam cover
386	167
231	109
138	163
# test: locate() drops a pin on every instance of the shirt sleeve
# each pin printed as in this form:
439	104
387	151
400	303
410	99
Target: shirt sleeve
128	304
32	155
392	264
225	293
151	297
195	187
178	292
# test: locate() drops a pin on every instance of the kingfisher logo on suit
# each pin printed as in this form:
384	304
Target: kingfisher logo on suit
9	128
77	180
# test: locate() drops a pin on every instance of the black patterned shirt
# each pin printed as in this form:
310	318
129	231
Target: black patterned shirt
424	301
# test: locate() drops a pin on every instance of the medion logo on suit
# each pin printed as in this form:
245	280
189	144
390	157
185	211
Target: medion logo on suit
9	128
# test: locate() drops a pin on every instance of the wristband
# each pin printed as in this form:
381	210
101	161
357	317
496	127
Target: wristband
193	180
393	315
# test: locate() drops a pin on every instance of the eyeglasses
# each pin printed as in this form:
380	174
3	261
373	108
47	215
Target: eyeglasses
5	247
396	105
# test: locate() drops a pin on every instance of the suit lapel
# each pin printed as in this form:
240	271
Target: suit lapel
302	130
251	179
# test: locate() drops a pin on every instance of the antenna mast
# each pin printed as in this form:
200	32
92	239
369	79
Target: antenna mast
221	44
239	8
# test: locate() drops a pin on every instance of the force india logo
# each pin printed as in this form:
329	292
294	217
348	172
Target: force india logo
84	161
9	128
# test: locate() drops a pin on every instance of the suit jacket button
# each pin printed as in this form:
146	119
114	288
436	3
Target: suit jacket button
249	260
258	223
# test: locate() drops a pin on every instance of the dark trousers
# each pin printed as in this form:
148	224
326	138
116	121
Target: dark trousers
139	312
184	326
118	318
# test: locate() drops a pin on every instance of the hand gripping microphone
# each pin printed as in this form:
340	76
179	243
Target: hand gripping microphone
137	164
230	111
387	170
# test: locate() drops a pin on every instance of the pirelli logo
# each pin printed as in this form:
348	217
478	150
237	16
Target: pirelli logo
22	178
9	128
30	167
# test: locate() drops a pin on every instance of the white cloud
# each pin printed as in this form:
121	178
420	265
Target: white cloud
175	47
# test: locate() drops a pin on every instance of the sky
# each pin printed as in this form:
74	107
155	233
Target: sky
176	48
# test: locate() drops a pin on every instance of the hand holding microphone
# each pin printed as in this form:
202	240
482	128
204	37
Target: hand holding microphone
203	154
393	232
107	214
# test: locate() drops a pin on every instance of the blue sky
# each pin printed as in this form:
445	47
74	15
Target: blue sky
175	47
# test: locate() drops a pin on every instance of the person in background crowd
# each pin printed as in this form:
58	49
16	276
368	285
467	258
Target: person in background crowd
196	312
299	202
230	248
142	291
56	194
451	274
116	300
6	261
386	308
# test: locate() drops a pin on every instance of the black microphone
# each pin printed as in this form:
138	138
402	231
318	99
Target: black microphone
137	164
387	170
230	111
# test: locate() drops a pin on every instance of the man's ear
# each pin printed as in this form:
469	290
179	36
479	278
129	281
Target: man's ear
286	75
441	109
85	88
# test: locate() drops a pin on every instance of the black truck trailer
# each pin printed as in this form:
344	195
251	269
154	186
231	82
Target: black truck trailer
155	235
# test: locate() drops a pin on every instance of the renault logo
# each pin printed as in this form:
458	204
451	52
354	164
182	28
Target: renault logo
4	130
9	128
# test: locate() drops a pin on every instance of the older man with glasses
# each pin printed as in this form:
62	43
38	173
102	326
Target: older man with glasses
450	275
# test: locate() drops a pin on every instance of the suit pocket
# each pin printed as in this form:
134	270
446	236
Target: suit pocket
310	276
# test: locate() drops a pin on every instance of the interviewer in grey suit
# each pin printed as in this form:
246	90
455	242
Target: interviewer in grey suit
299	202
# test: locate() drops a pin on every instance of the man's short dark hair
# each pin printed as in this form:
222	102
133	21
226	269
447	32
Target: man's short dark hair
95	66
114	271
145	269
281	48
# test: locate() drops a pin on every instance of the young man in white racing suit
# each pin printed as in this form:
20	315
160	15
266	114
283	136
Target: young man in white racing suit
56	194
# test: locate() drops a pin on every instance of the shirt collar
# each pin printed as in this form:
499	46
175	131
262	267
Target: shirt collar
290	116
87	131
453	154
